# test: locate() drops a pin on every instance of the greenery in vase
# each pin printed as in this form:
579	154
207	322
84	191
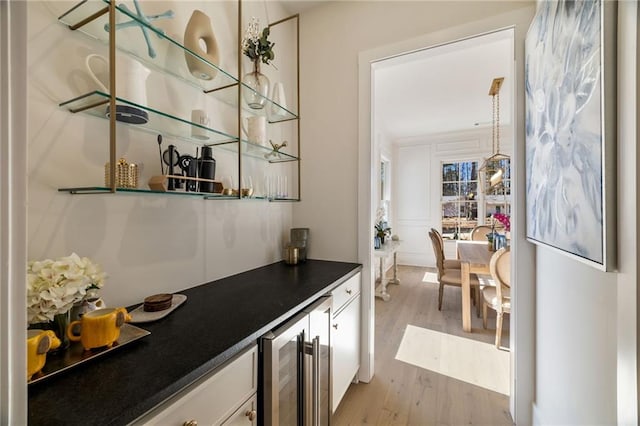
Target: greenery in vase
54	286
382	230
256	45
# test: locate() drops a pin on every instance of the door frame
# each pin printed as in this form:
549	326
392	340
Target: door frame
523	253
13	214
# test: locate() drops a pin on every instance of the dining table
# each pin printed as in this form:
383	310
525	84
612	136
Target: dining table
475	257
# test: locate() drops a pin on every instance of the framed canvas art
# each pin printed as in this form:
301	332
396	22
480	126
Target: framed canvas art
571	129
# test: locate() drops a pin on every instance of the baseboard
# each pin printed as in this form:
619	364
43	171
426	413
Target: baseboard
414	259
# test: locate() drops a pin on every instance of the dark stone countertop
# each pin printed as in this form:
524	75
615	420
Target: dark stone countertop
218	320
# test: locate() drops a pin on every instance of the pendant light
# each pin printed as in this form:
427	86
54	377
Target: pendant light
492	167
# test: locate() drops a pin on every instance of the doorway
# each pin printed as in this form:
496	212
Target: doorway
369	193
435	120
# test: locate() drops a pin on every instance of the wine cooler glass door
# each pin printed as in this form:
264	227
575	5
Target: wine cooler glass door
284	373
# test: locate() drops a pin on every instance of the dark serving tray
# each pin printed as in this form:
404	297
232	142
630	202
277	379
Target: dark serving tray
75	353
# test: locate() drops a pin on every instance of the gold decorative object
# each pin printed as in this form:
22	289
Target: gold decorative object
275	152
492	166
126	174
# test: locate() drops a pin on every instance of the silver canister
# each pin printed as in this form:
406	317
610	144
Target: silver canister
291	255
300	239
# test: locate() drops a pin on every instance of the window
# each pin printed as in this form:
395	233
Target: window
464	206
459	198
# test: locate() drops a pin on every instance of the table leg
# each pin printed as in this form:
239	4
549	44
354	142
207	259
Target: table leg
395	279
466	296
381	291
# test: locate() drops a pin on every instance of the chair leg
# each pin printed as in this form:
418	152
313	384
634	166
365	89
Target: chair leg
479	300
440	296
484	314
498	328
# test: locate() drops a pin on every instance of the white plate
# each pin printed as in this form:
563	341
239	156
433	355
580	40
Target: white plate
139	315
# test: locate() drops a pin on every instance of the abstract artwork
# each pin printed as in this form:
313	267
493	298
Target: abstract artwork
570	130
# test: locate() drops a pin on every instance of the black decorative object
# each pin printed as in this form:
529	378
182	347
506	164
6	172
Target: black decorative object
129	114
160	152
171	157
189	167
207	169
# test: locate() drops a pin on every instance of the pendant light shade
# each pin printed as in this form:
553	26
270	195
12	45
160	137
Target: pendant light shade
492	166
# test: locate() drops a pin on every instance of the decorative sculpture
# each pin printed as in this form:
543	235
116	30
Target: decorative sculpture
144	18
276	149
199	28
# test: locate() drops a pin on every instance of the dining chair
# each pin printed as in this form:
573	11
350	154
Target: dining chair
479	233
452	277
498	297
448	263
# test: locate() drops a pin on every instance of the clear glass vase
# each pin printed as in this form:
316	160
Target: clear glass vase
59	327
256	88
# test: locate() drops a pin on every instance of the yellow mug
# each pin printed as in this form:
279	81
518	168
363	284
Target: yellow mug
98	328
38	344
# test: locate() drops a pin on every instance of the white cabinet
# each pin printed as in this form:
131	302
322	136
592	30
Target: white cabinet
345	337
225	396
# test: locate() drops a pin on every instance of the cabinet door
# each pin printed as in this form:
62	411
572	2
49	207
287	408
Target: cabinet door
245	415
345	339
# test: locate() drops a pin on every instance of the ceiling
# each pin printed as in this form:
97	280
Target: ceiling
443	89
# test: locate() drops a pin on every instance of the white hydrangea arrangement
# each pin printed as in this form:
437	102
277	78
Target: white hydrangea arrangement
53	286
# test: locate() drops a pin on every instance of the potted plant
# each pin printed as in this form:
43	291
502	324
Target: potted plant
382	231
257	47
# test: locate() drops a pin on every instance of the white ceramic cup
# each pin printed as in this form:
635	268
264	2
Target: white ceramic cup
256	129
199	116
131	77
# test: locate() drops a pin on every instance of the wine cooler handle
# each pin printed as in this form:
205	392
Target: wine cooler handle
316	380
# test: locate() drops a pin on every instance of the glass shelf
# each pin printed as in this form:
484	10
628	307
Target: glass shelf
96	104
283	200
91	18
271	200
274	112
253	150
105	190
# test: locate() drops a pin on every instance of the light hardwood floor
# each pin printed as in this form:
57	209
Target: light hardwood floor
403	394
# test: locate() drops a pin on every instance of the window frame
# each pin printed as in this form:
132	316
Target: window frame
485	203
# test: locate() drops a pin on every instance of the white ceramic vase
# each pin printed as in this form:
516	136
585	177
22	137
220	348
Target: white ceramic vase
199	29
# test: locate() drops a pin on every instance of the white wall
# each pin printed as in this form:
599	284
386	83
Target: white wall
586	328
628	181
146	244
575	342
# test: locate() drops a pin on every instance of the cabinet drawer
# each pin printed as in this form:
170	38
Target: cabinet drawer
345	292
213	398
245	415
